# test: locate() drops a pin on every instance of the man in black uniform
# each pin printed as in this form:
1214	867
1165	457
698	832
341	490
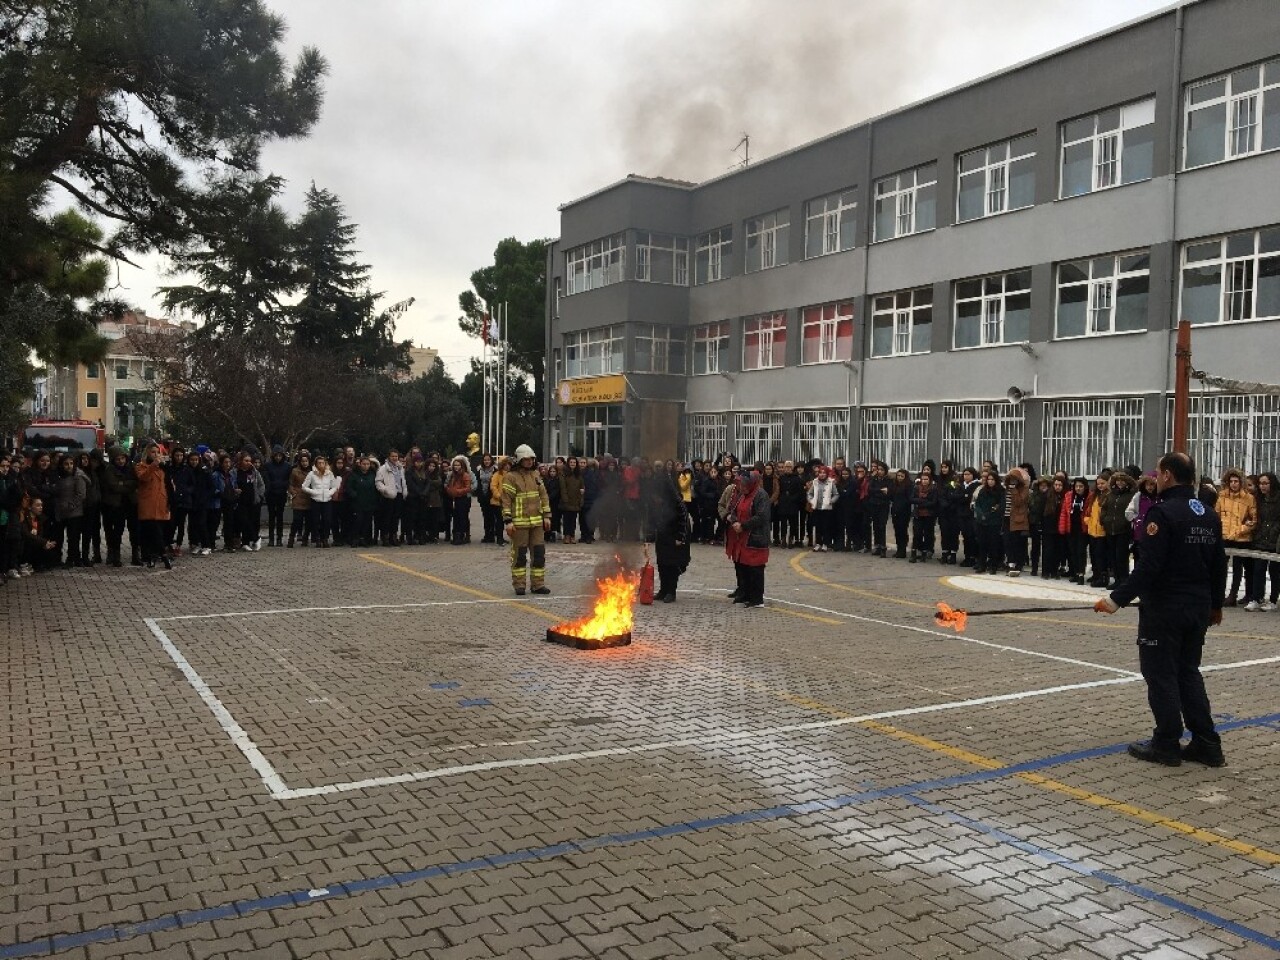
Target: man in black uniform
1180	578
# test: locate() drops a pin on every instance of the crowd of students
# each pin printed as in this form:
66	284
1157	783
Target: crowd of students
66	510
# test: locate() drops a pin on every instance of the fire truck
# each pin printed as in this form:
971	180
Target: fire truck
62	436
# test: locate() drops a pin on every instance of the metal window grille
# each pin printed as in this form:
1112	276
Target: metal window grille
1240	289
707	435
897	435
1244	124
1084	436
906	212
759	436
820	433
996	188
1100	307
973	432
1106	161
1231	430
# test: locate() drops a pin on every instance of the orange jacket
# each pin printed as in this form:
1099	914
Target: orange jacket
153	498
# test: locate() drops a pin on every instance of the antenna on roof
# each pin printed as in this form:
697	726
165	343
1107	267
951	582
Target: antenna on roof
745	146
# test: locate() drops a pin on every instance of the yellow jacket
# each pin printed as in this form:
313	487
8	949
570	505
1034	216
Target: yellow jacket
1093	521
524	499
1239	513
495	487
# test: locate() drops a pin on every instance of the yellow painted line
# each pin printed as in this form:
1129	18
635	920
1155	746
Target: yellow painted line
805	616
482	594
798	567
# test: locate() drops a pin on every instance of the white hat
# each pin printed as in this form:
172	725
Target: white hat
525	452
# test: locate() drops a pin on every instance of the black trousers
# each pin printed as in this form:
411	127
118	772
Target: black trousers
1118	547
1170	644
151	536
91	533
247	522
1259	588
1015	548
362	532
300	525
949	531
198	528
990	546
1055	549
879	516
113	520
1241	569
73	526
1077	547
275	518
462	520
824	522
969	534
750	581
922	529
901	538
1099	558
1037	540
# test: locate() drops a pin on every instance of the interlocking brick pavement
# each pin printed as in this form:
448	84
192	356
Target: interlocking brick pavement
449	786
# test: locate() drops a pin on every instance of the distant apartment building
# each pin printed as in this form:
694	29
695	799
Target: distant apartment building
883	291
421	361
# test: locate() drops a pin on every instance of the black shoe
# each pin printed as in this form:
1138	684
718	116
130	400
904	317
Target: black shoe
734	596
668	598
541	591
901	554
1197	751
913	557
151	564
753	603
1143	750
519	591
741	600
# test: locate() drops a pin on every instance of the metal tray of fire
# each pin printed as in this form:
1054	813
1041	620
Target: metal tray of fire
584	643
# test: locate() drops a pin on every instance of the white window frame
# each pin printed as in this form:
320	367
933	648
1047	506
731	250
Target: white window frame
660	339
95	397
899	436
1102	292
973	432
820	433
594	352
710	338
706	436
1230	430
903	190
758	436
717	245
597	264
903	317
827	318
1232	269
1084	436
1236	102
1106	167
771	348
119	367
649	244
994	169
831	215
770	231
994	309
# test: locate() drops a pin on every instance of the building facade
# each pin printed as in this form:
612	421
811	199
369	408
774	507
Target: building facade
886	290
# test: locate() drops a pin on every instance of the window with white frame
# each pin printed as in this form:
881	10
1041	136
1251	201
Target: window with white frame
557	366
759	436
993	310
823	434
764	342
826	333
590	353
897	435
906	203
1232	278
973	432
1231	430
767	241
659	349
996	179
829	223
1108	149
92	371
596	264
559	290
1234	115
706	435
711	347
902	323
662	258
1084	436
91	400
122	371
711	251
1103	295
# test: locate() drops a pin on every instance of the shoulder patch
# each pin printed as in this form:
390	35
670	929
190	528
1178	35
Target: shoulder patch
1152	529
1196	507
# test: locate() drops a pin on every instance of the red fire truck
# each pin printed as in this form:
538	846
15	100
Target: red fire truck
62	436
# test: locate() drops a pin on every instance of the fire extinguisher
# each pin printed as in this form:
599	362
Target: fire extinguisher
646	580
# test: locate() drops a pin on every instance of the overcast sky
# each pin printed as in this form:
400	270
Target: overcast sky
448	126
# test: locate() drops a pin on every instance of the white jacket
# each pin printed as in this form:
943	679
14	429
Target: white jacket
321	487
390	481
823	495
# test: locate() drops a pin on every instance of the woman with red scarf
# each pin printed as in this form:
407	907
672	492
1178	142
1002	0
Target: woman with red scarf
746	538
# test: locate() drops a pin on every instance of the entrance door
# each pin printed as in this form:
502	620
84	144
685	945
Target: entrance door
659	429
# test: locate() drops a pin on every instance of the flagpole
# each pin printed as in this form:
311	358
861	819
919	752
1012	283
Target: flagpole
484	395
506	352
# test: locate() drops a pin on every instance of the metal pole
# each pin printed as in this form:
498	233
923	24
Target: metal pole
1182	386
484	381
506	329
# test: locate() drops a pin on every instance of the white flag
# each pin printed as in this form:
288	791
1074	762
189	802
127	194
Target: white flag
493	329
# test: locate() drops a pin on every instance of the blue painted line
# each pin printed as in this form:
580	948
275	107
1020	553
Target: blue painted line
476	702
45	946
1110	879
445	685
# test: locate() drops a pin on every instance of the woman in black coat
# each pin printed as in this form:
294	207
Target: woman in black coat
670	522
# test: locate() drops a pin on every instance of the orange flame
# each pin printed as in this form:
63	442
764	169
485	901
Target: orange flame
948	617
612	614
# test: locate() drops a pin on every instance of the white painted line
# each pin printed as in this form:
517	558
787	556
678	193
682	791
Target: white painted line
1213	668
371	606
274	783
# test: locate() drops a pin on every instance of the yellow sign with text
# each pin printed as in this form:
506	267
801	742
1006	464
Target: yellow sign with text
611	389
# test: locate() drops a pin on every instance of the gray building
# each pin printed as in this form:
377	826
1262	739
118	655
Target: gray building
884	291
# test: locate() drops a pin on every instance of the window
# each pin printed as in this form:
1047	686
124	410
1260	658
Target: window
662	258
827	333
764	342
1103	295
973	432
594	431
995	179
902	323
820	433
1233	115
1110	148
711	347
91	401
993	310
708	436
559	284
1232	278
595	264
1240	430
767	241
1084	436
759	436
829	223
590	353
557	367
896	435
659	349
93	371
122	371
148	372
906	202
711	251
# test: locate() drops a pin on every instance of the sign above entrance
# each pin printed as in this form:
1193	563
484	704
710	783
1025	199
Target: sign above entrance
612	389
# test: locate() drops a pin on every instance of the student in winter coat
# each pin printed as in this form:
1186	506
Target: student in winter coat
364	501
1040	488
969	484
879	496
276	472
392	491
1099	556
119	505
491	518
494	507
953	503
571	499
924	515
299	500
460	485
900	491
1239	512
1076	504
706	497
321	486
90	464
670	520
39	550
747	538
821	499
988	517
1266	536
1055	543
1117	529
11	505
249	485
552	482
71	490
1017	519
197	477
153	506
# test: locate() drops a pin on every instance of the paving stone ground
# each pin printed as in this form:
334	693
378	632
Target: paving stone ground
350	753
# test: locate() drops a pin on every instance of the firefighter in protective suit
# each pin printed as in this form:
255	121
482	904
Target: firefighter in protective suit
526	512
